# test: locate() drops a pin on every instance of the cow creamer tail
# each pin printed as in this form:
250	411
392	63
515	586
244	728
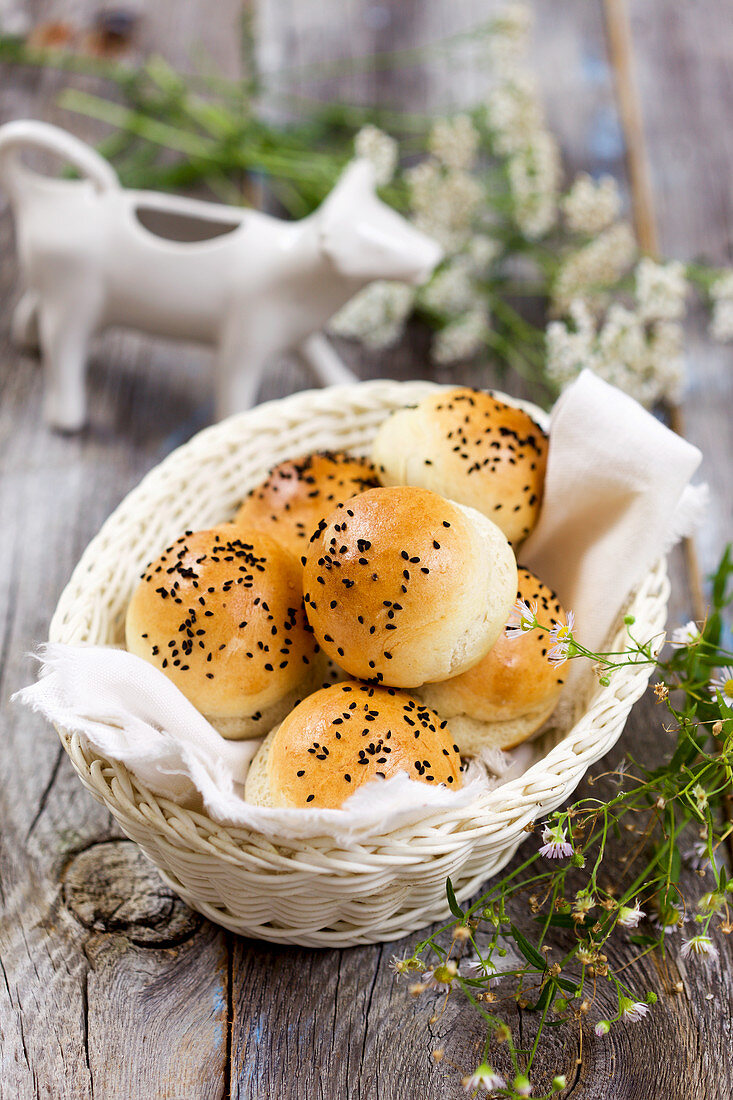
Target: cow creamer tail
30	134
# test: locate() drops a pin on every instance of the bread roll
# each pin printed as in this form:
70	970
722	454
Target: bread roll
469	447
345	735
220	613
298	493
506	697
402	587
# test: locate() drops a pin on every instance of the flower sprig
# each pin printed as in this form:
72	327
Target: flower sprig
495	951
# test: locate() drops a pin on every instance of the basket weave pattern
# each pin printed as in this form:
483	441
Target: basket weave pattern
311	892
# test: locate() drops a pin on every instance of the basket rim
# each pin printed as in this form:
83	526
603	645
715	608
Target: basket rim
542	787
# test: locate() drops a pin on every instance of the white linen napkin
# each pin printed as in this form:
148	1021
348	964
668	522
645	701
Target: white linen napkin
616	498
130	711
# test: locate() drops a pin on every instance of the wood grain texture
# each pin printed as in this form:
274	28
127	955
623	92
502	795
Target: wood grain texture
110	987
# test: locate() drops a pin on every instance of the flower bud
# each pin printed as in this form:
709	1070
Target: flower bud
559	1082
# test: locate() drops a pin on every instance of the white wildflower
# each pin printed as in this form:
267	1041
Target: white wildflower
555	844
534	173
523	617
723	683
484	1078
700	796
515	113
701	946
378	148
461	338
602	1028
452	291
376	315
522	1085
633	1011
561	636
481	252
672	920
686	635
660	290
441	977
630	915
454	141
721	292
589	271
444	202
711	902
666	358
404	965
480	969
591	205
507	44
570	350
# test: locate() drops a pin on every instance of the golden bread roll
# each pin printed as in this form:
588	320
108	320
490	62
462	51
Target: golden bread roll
469	447
403	587
299	493
220	612
344	736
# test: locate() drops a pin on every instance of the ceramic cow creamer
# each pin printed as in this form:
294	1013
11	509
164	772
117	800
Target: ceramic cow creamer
94	254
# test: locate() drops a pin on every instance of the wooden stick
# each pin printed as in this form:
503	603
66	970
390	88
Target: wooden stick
621	54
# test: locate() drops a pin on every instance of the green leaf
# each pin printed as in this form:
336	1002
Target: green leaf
530	953
453	904
675	866
546	997
641	940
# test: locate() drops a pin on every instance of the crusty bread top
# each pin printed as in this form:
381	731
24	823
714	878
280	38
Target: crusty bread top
402	586
345	735
221	613
299	493
472	448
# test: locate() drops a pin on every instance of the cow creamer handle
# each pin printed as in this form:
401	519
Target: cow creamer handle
31	134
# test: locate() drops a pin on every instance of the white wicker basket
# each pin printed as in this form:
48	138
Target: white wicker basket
311	892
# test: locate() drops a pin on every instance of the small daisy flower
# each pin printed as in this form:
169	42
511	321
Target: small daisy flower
670	920
723	684
474	969
630	915
404	965
712	902
522	1086
484	1078
686	635
633	1011
702	946
561	636
555	844
523	617
441	977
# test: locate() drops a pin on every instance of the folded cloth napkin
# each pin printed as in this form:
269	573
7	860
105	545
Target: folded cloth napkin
615	500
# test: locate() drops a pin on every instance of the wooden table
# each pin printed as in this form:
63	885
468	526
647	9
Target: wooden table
110	987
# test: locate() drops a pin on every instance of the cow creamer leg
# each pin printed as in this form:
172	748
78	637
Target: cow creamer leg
65	331
24	325
240	365
320	357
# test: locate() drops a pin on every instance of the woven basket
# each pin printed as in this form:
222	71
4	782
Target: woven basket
311	892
